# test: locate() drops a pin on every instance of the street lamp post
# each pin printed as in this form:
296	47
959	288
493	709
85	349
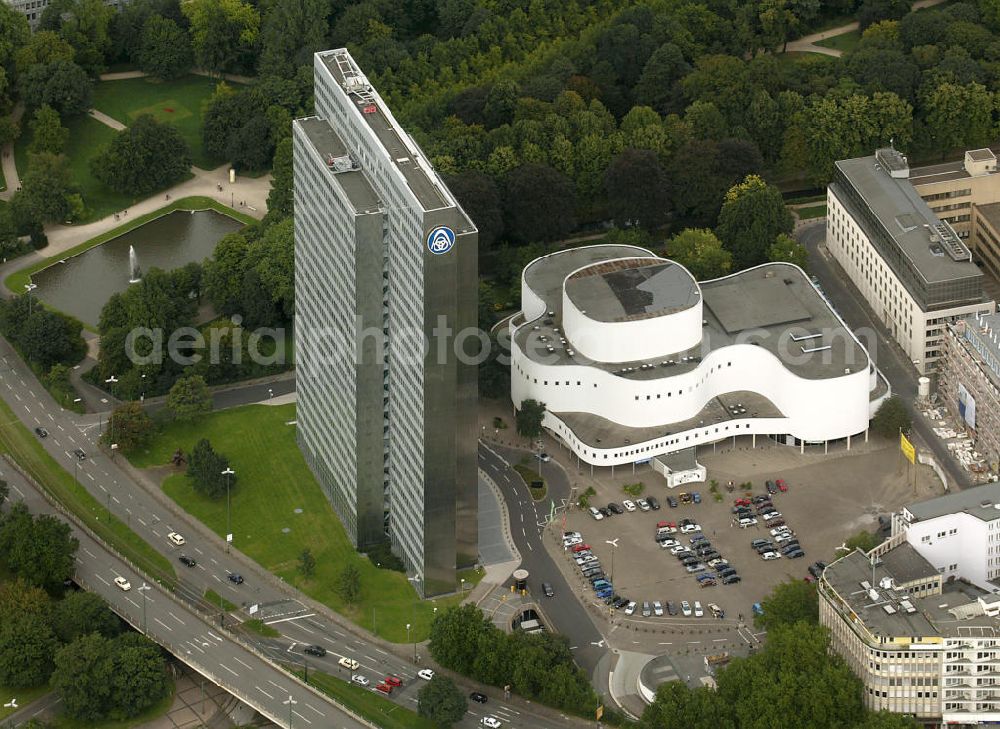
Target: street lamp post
28	288
614	548
144	589
290	703
414	642
228	473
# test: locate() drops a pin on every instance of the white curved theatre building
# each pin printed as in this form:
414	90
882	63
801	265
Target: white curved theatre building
633	358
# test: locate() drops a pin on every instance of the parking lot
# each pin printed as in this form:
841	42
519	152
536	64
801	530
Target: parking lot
829	498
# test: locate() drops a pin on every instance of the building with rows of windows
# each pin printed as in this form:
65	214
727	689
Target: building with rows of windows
384	257
913	267
634	359
918	618
33	9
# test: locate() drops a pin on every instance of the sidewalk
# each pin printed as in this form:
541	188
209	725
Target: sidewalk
7	157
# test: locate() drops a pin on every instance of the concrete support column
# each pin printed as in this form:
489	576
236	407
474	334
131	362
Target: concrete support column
848	442
826	447
802	447
753	441
866	435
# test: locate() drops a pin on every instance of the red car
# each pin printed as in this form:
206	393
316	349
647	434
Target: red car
384	688
743	502
782	486
662	524
393	681
581	547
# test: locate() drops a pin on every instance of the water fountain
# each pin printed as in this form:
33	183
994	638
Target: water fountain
134	272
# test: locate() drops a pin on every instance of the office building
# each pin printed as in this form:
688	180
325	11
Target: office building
635	359
33	9
912	268
386	265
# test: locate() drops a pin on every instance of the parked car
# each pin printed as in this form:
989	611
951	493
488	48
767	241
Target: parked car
760	497
742	502
671	502
747	522
657	608
698	612
630	608
791	546
671	607
775	523
359	680
693	568
349	663
782	486
669	543
394	681
719	563
686	608
772	515
543	457
572	541
570	535
716	610
795	554
705	577
679	549
767	556
653	503
759	542
383	687
646	609
547	590
478	697
757	609
689	528
315	650
594	512
696	497
629	505
615	508
605	592
582	547
816	569
643	504
666	525
685	497
783	538
771	488
730	579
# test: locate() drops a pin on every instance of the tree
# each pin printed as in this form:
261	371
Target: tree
864	540
149	155
84	678
888	720
348	584
477	193
790	602
788	250
27	645
289	35
752	216
84	24
701	253
223	32
39	550
892	418
46	188
441	701
658	85
307	563
251	147
280	199
14	33
47	338
234	120
47	132
529	418
165	50
539	203
205	468
140	676
129	427
189	398
81	613
637	189
61	84
44	46
959	116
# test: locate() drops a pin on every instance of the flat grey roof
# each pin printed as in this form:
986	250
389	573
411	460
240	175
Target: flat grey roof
942	172
816	345
903	213
598	432
991	212
390	135
981	155
979	502
632	289
683	460
326	142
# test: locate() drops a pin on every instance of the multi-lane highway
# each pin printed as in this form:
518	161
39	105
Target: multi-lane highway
140	503
212	652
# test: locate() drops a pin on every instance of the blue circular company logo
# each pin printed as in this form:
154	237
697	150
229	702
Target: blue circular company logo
440	240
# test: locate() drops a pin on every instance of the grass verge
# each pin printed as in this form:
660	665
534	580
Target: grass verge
23	447
260	628
367	703
531	476
216	599
279	510
813	211
23	696
845	42
16	281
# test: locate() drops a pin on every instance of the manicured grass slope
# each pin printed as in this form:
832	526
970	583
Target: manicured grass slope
845	42
369	704
178	102
272	482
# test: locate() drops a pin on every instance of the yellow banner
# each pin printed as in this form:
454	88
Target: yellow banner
600	712
907	447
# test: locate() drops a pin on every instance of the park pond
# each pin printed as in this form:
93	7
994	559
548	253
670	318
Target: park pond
81	285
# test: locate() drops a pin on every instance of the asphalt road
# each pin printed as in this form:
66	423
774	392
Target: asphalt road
188	635
152	516
564	610
887	355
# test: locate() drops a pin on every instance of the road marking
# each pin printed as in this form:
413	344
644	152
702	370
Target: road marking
90	475
214	636
198	551
353	650
141	521
307	721
134	603
229	669
17	396
103	580
280	688
310	706
379	650
294	617
164	624
196	646
101	487
19	492
175	617
291	647
264	692
242	663
665	644
115	499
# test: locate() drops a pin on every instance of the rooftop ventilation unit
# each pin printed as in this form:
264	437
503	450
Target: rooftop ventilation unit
885	583
907	606
893	162
944	235
873	594
340	163
889	609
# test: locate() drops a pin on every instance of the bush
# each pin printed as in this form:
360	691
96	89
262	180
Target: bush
382	557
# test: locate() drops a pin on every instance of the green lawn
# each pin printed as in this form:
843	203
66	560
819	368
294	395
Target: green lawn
215	598
178	102
23	696
813	211
845	42
273	482
23	447
16	281
368	704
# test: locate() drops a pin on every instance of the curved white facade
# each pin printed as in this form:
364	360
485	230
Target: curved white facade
664	403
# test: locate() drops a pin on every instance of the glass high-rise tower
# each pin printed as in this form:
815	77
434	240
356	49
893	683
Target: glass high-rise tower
385	293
